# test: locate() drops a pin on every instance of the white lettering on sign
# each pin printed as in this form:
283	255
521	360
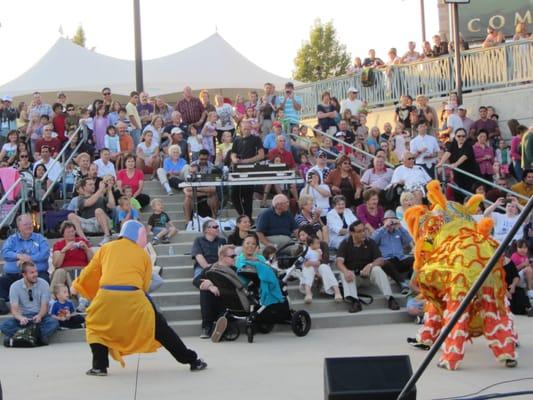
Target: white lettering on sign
497	25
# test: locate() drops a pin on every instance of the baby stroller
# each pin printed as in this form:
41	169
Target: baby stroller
242	301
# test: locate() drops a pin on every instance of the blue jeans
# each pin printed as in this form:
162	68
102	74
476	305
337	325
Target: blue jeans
47	326
136	136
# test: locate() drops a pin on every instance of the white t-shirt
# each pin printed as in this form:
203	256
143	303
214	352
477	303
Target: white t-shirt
455	122
503	224
431	145
412	177
105	169
313	255
353	105
10	149
195	142
321	202
148	151
225	118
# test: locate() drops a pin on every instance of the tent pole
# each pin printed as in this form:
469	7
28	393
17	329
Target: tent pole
138	46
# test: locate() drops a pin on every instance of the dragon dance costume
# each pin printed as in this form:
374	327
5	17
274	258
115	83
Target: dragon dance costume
451	250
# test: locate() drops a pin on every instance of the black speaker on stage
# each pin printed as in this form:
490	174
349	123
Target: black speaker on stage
367	378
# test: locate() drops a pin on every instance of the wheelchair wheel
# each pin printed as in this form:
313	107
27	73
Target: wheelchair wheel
232	332
264	327
250	333
301	323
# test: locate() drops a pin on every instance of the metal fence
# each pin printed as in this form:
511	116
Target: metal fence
500	66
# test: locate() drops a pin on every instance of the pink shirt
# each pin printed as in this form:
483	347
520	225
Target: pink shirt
517	259
485	166
137	177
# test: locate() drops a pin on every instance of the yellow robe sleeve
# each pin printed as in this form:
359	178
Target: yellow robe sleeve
88	283
147	273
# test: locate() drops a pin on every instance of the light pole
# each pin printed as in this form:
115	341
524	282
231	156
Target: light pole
423	20
138	47
454	12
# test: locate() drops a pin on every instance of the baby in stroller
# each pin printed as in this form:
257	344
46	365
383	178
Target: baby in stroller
257	294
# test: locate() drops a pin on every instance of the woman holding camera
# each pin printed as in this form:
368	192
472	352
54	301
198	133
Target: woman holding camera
69	255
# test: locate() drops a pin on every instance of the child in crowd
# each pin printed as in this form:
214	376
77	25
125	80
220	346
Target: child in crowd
128	192
520	259
252	121
503	157
313	265
304	166
123	117
8	153
112	142
415	303
269	252
519	302
285	123
125	211
159	223
63	310
194	143
209	133
223	148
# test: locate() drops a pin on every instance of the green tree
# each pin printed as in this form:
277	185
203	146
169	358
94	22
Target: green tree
79	37
322	56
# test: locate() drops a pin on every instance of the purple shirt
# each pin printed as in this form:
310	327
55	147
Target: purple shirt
489	125
375	221
100	125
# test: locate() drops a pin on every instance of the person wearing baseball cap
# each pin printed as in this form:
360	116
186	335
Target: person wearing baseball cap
352	103
8	118
270	140
395	243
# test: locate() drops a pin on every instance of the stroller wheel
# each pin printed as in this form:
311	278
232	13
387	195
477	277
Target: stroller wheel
301	323
264	327
250	333
232	332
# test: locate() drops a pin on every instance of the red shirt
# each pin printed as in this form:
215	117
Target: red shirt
133	182
191	110
54	144
59	126
73	257
286	157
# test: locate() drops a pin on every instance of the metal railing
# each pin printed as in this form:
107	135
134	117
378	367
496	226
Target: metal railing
20	203
64	162
509	63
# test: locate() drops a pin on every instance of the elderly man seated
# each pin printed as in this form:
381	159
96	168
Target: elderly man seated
23	246
412	177
276	225
29	299
394	242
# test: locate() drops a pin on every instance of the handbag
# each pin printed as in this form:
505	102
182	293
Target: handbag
27	336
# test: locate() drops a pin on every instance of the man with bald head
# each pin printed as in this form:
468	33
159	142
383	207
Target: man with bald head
191	108
275	225
23	246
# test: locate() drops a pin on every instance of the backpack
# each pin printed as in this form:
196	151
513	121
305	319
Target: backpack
27	336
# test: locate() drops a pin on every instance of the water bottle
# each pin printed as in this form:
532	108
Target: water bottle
170	250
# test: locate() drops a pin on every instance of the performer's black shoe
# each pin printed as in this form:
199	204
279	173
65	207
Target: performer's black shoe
198	365
511	363
96	372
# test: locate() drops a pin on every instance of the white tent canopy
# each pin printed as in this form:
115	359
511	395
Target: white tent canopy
210	64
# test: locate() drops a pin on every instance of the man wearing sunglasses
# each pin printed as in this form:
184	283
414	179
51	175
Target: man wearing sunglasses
204	252
29	298
410	175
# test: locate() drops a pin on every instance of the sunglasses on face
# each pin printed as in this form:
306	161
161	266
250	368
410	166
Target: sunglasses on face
30	294
214	227
106	93
411	158
460	136
231	255
24	156
70	109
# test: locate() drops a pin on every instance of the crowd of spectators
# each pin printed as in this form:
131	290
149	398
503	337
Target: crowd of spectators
358	180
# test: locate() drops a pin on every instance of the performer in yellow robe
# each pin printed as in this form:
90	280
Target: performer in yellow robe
122	319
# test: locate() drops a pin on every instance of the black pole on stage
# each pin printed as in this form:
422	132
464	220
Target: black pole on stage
468	299
138	46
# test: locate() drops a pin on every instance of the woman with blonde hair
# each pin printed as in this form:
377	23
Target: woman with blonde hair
520	31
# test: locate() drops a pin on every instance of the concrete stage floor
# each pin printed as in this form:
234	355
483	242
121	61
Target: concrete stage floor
276	366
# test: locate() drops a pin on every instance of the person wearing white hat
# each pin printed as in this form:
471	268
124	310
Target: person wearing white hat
352	103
